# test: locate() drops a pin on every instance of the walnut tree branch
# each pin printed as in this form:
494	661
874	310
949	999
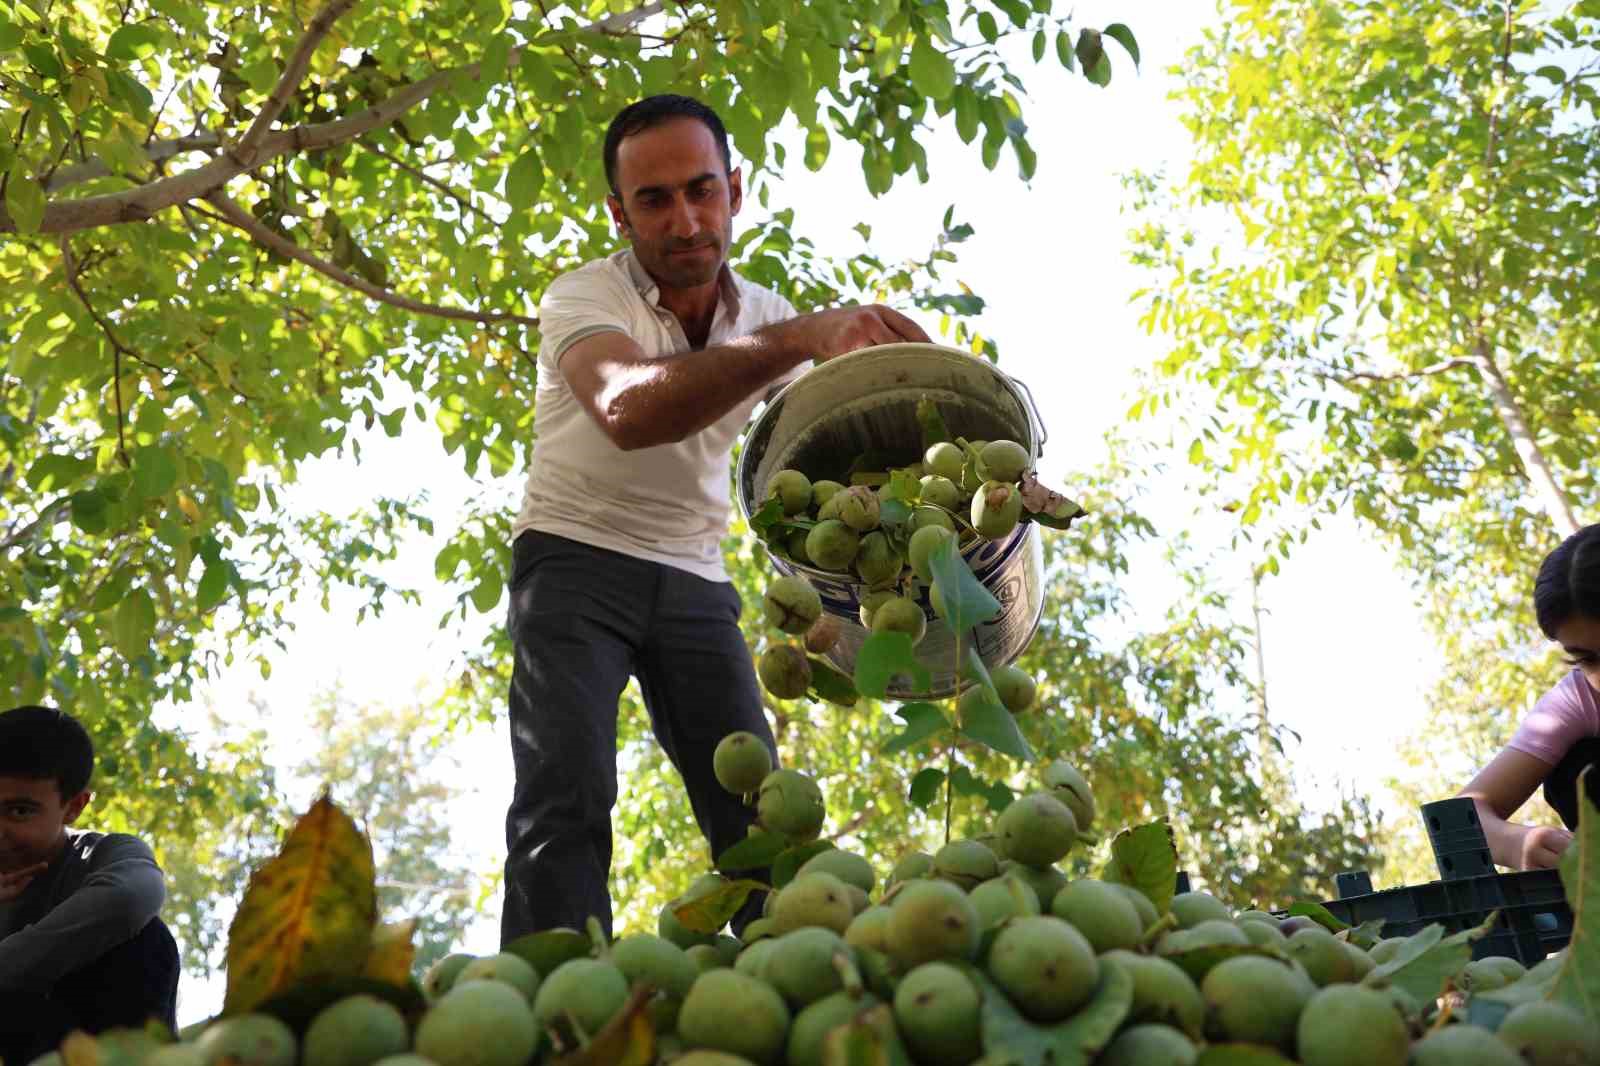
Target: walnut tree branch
244	152
230	212
1400	375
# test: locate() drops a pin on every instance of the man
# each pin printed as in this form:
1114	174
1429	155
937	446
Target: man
80	944
650	363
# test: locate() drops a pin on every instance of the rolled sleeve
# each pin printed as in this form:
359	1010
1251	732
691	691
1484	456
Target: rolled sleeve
575	306
122	892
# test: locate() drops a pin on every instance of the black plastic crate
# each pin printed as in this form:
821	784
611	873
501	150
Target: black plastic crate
1460	849
1534	918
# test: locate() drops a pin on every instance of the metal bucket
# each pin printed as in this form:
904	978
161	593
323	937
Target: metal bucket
867	401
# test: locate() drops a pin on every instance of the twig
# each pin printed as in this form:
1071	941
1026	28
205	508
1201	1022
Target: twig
28	532
232	213
423	176
245	151
117	347
1399	375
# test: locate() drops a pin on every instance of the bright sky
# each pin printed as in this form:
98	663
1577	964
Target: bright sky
1347	657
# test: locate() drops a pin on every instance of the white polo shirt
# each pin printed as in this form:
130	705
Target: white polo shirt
668	504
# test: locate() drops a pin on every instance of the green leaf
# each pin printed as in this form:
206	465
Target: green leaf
1064	49
966	601
24	199
486	593
868	1039
994	793
1010	1037
709	912
1124	36
1089	49
1551	73
985	719
882	658
55	471
923	720
987	27
1578	981
754	852
1040	42
829	684
1319	914
925	786
545	951
1429	961
525	179
786	865
134	624
213	585
134	40
932	424
88	509
155	471
932	72
1146	858
1100	73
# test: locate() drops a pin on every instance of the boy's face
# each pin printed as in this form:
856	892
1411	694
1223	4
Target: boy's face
33	820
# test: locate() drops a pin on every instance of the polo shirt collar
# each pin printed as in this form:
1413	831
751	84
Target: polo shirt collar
728	290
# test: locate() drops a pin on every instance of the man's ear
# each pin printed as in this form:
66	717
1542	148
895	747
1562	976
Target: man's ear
74	807
735	191
619	217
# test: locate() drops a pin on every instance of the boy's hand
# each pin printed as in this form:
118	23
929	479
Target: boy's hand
14	883
1543	846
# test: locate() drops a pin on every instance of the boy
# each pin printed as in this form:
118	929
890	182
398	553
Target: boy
80	944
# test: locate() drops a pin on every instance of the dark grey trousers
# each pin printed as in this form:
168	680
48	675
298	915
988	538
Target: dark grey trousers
582	619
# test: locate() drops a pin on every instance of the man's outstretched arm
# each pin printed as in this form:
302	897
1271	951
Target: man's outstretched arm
641	402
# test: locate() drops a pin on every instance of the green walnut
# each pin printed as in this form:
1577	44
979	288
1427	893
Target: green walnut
1003	460
901	615
924	542
996	509
791	604
741	762
944	460
877	561
793	490
784	671
858	508
832	545
939	491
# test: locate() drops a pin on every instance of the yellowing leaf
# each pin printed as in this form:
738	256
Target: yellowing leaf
627	1040
307	914
392	952
190	509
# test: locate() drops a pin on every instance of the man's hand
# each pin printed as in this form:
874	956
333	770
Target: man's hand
13	884
1542	847
825	334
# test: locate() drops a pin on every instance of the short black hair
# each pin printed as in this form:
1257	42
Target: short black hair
652	111
1568	584
42	742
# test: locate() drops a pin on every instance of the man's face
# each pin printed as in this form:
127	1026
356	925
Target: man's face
676	202
1579	637
33	819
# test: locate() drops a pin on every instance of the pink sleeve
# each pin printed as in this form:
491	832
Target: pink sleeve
1562	717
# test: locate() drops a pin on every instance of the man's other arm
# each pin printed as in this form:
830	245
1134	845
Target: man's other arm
118	898
641	402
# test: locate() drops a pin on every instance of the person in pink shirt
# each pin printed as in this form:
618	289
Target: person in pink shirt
1560	737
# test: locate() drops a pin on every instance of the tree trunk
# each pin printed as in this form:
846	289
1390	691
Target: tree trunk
1545	486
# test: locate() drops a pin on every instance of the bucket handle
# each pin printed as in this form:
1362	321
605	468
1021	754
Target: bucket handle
1024	398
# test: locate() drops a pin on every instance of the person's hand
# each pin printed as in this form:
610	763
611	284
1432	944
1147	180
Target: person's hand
1542	847
14	883
825	334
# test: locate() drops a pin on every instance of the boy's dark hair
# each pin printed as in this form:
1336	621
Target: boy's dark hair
1568	584
42	742
652	111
